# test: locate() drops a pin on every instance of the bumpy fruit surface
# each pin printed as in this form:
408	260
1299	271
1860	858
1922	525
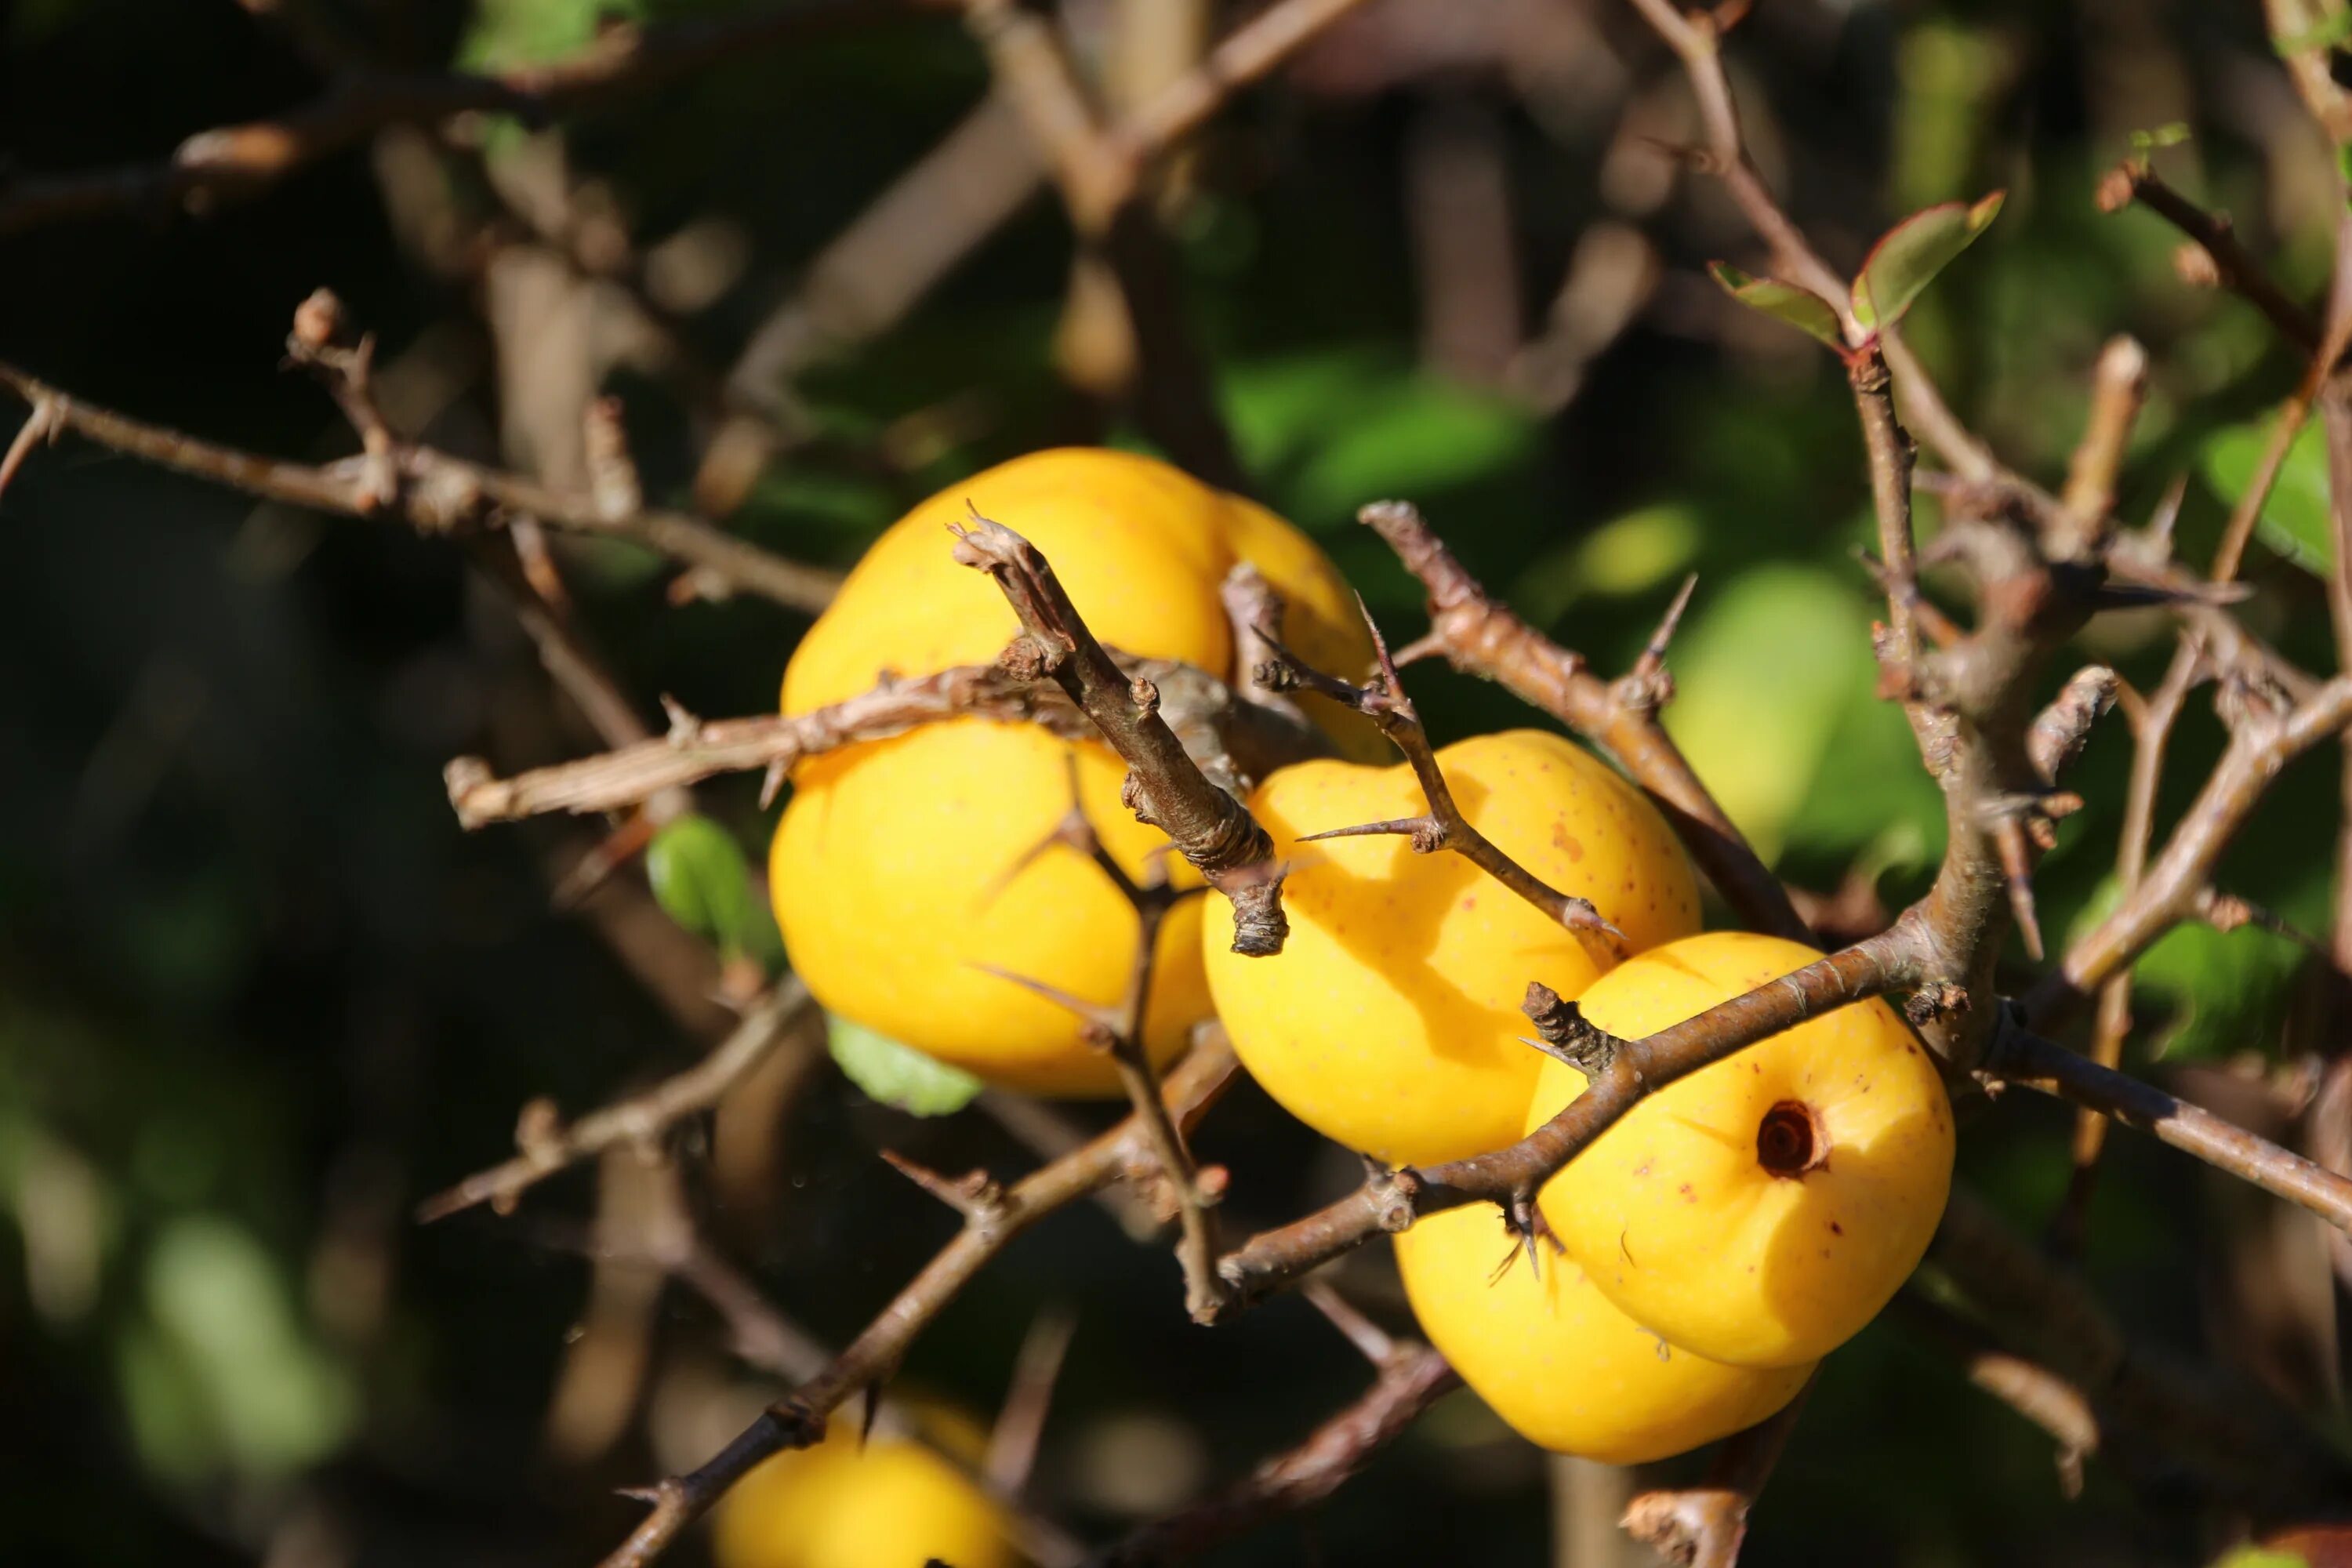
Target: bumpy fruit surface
1557	1361
894	1504
1390	1020
1763	1209
896	870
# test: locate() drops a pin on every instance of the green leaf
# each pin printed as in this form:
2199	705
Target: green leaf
1907	257
506	33
1801	309
898	1074
2168	135
701	880
2294	520
1333	429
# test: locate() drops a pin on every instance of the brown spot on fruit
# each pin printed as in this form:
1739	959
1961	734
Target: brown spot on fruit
1836	1229
1567	842
1789	1141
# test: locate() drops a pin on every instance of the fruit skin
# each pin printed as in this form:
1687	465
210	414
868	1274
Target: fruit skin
894	1505
1672	1210
897	868
1389	1021
1553	1358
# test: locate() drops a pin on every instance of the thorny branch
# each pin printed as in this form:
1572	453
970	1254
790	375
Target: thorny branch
1119	1031
1484	638
1442	825
547	1145
1165	789
992	1220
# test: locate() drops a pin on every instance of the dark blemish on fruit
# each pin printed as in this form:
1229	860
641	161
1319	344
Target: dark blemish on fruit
1836	1229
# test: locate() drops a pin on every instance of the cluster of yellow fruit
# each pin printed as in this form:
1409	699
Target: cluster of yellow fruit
1722	1238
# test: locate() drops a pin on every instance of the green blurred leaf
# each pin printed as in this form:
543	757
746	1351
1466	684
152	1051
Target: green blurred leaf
2171	134
2262	1557
898	1074
1338	429
1801	308
1762	675
230	1375
1624	556
2228	991
525	32
2295	519
700	878
1907	257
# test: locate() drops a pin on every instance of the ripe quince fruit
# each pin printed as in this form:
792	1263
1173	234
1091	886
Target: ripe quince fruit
897	870
1551	1356
884	1502
1390	1020
1761	1210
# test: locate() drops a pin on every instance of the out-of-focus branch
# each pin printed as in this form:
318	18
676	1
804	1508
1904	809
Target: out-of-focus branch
992	1220
2026	1386
1165	787
547	1145
1703	1526
2212	233
2237	1441
433	492
237	162
1411	1379
1481	636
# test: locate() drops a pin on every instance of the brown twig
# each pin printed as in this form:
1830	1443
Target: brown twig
799	1419
1441	826
548	1146
1484	638
697	750
435	494
1410	1381
1119	1031
1165	789
1703	1526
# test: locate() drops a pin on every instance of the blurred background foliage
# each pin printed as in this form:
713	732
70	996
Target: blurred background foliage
258	992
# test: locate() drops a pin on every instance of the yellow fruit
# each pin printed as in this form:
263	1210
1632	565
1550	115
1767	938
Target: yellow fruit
896	870
1761	1210
1389	1021
1553	1358
894	1504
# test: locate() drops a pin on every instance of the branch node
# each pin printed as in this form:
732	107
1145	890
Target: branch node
1567	1034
